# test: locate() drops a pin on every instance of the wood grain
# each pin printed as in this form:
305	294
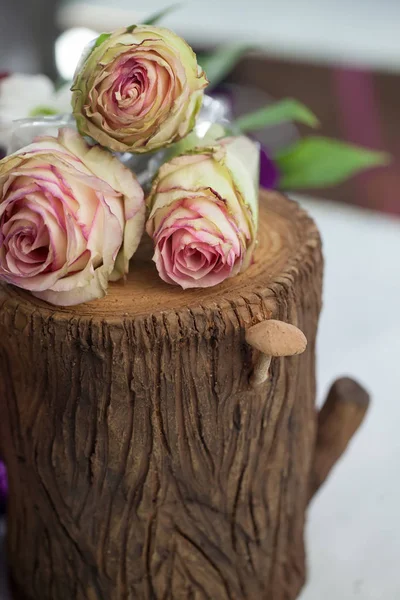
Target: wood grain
142	464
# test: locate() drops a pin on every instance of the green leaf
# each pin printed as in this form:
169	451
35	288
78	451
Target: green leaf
130	28
320	162
154	19
102	38
221	62
281	112
42	111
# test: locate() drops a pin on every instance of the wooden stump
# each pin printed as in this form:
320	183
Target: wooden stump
143	464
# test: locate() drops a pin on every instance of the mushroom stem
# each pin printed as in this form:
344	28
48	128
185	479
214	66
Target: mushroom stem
260	371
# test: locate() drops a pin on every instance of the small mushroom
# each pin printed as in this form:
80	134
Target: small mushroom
273	338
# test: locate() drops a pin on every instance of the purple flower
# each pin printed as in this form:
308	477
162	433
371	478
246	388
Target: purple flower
269	173
3	487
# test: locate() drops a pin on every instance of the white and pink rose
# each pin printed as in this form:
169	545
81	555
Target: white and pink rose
204	213
138	89
71	217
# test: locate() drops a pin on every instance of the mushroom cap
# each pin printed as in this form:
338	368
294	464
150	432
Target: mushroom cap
276	338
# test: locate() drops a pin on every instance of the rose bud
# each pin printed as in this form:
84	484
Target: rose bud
138	89
71	217
204	213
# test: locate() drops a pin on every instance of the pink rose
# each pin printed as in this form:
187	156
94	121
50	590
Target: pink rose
138	89
204	213
71	217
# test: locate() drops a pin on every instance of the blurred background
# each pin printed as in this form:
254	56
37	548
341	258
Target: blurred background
341	58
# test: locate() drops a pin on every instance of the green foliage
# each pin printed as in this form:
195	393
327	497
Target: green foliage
221	62
280	112
321	162
42	111
154	19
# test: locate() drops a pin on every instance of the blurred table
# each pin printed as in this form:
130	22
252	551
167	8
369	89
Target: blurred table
353	534
365	32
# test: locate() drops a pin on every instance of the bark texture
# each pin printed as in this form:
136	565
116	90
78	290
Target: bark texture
338	420
142	463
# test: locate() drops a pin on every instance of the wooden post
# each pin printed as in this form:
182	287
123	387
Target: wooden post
144	460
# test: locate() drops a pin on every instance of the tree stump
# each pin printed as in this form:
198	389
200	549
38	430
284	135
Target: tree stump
144	461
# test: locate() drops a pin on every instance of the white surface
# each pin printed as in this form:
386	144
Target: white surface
362	31
353	534
354	527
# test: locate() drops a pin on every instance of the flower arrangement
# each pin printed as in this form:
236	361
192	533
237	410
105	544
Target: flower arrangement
72	210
